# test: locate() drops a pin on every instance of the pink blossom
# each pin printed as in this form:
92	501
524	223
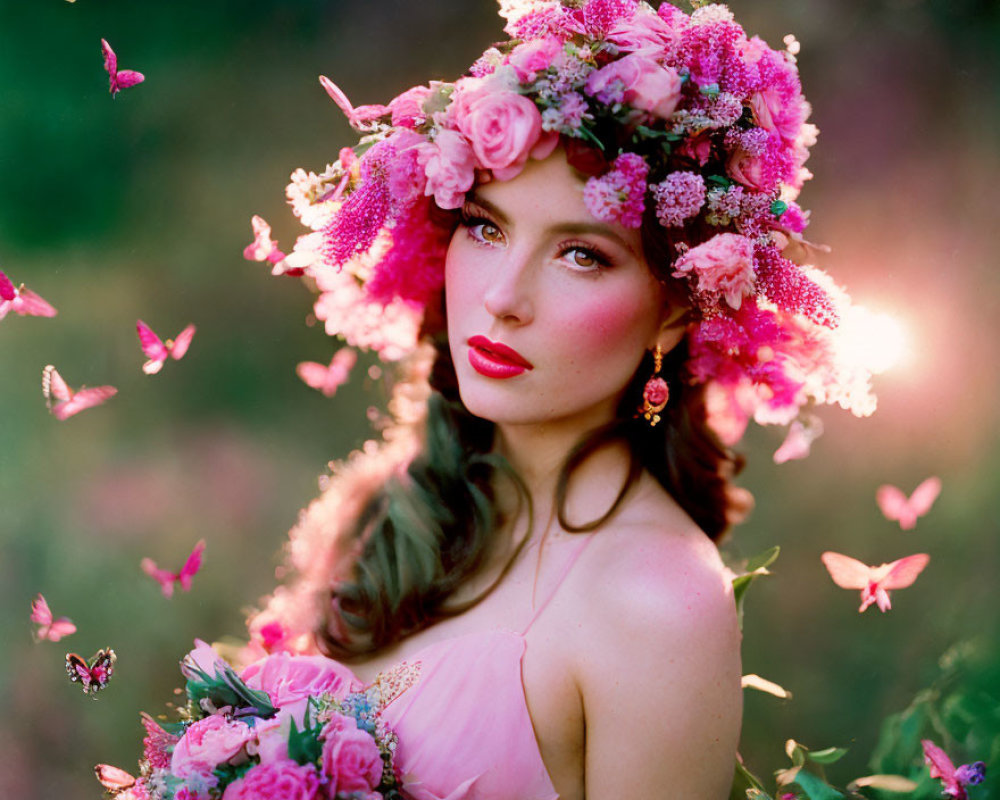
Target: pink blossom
408	108
534	56
270	744
642	82
697	148
284	779
723	266
679	197
619	195
503	127
350	759
748	169
600	16
644	33
208	743
290	680
450	166
157	745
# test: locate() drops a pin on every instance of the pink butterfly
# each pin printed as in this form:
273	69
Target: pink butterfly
158	351
328	378
71	402
21	301
801	434
48	628
897	507
119	79
93	676
875	583
954	780
362	118
116	782
167	579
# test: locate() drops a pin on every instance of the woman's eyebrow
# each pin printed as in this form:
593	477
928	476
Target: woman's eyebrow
572	228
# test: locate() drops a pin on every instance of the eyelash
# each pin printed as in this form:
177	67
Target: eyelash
471	220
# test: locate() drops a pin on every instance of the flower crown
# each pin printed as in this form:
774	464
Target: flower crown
679	115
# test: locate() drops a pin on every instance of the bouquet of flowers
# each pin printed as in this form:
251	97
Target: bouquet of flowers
286	728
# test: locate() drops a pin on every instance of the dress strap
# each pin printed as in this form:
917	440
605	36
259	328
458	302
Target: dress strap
559	581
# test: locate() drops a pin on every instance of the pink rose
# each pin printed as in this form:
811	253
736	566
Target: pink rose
656	391
408	108
747	169
644	83
350	759
534	56
503	127
270	743
290	680
774	114
723	266
645	33
450	166
284	779
208	743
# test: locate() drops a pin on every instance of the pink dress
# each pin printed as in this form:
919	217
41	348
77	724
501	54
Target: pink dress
458	709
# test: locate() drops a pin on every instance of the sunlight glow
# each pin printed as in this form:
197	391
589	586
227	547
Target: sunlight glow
877	340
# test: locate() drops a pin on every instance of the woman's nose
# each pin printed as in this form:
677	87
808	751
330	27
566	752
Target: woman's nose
508	294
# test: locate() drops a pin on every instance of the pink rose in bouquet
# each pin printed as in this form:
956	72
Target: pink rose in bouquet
290	680
351	760
282	780
206	744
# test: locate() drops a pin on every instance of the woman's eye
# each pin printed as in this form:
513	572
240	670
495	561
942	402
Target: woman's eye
584	259
482	230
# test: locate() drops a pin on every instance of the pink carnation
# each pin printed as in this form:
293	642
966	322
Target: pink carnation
503	127
722	266
638	81
450	166
290	680
283	779
350	759
619	195
208	743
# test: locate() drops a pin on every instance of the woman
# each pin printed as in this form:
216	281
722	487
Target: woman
525	569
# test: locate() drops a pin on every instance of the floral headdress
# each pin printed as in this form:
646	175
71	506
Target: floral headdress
667	113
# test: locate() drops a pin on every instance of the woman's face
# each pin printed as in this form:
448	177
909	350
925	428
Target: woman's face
549	310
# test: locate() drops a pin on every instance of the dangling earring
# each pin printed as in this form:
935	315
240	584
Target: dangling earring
656	393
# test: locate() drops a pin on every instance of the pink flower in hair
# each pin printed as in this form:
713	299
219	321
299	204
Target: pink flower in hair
679	197
638	81
790	288
600	16
407	109
503	127
722	266
450	166
534	56
619	195
645	33
413	268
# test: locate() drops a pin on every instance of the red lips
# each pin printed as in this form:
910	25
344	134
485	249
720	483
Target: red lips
496	360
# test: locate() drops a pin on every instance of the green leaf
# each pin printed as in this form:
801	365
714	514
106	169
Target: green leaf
816	788
827	756
719	180
764	559
779	207
304	746
756	567
746	785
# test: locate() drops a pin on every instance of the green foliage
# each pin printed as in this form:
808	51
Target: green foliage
755	567
816	788
304	745
225	688
227	773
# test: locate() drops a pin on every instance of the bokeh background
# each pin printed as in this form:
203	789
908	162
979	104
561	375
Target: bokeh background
139	207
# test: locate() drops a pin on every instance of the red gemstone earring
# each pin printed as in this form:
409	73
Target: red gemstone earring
656	393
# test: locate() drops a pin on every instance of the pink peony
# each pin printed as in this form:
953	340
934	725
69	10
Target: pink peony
351	759
534	56
645	33
642	82
408	108
283	779
208	743
748	170
290	680
775	113
723	266
450	166
503	127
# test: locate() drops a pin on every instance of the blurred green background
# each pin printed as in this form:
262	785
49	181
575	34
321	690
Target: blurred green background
139	206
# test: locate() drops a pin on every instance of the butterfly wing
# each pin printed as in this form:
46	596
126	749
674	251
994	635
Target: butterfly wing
937	759
924	495
83	399
60	628
182	342
29	304
7	290
847	572
191	566
113	779
78	671
163	577
312	373
152	347
101	668
54	386
110	60
904	571
801	435
40	612
128	77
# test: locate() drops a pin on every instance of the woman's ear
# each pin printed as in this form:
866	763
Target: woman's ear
673	327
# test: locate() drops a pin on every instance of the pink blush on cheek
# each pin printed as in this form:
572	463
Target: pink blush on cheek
606	324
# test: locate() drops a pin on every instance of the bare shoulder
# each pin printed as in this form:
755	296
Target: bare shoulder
660	649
